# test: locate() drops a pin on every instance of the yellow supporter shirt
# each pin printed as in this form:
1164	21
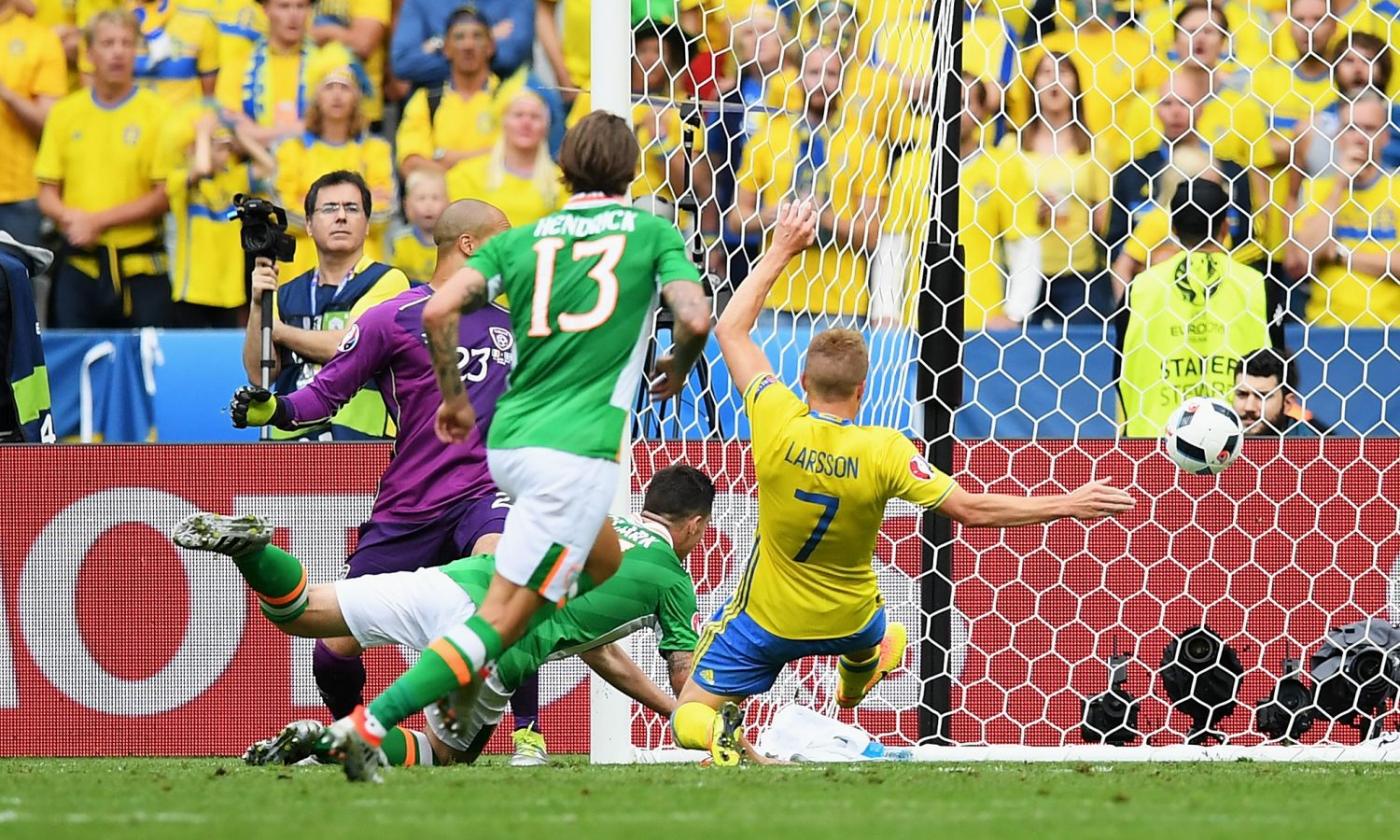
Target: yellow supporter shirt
342	13
826	279
1071	185
206	265
54	13
178	49
989	47
1290	99
462	123
995	203
102	156
514	195
413	254
241	25
303	159
33	66
1365	223
823	484
270	88
1380	18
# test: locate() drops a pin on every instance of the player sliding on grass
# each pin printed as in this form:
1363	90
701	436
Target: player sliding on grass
583	285
823	482
436	502
651	588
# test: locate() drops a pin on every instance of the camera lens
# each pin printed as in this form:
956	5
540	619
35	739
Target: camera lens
1366	666
1198	649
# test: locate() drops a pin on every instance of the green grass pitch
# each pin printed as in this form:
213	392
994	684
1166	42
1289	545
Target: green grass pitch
218	798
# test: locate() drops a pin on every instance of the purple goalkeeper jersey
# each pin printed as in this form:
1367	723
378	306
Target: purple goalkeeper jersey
425	476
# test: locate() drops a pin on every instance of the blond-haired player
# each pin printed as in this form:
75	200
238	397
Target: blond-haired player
823	482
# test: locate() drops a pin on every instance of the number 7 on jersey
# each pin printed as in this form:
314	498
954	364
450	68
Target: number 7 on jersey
829	505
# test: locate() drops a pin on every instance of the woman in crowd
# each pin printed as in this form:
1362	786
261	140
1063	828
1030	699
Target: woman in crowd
335	138
518	175
1072	189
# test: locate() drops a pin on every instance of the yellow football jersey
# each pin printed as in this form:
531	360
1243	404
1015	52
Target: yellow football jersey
206	265
104	155
822	488
344	13
242	24
178	49
996	203
517	197
269	87
460	124
828	279
33	66
413	256
1364	223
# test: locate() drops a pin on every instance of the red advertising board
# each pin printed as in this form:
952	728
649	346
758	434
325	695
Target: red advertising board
116	643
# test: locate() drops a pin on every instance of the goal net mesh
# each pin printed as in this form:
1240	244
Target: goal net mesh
843	104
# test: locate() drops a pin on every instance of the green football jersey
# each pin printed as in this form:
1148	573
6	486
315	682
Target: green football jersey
650	589
582	285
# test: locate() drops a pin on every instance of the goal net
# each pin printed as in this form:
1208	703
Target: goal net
990	183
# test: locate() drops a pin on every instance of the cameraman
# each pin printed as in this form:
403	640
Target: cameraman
316	311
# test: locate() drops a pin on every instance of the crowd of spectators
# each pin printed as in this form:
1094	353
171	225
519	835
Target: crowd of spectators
127	127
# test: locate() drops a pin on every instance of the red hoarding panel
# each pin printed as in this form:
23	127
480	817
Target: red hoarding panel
117	643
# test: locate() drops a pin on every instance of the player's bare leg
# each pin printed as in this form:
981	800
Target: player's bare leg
859	671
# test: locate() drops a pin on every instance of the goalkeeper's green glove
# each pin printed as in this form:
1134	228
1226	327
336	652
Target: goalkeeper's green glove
254	406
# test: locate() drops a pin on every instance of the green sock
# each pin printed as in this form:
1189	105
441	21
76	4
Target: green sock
407	748
447	664
279	581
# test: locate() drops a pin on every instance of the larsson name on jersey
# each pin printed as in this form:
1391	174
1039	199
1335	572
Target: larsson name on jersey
577	227
817	462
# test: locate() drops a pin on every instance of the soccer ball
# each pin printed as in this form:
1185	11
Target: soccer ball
1204	436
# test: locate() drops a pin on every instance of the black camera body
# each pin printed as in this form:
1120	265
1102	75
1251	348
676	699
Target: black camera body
263	231
1112	717
1202	675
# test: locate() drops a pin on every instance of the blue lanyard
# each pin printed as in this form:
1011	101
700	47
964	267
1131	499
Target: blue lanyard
316	284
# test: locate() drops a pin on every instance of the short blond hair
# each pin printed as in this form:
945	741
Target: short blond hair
424	176
837	362
112	17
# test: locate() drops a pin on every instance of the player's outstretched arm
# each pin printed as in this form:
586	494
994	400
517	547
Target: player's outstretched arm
795	230
464	291
997	510
610	663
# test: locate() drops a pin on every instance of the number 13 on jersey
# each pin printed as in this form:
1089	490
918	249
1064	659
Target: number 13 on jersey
608	250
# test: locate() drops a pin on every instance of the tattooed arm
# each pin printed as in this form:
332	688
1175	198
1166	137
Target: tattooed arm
691	310
464	291
678	663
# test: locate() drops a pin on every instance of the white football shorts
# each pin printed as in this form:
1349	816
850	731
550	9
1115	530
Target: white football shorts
561	500
402	608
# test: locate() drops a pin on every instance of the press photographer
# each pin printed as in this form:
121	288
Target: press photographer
315	311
